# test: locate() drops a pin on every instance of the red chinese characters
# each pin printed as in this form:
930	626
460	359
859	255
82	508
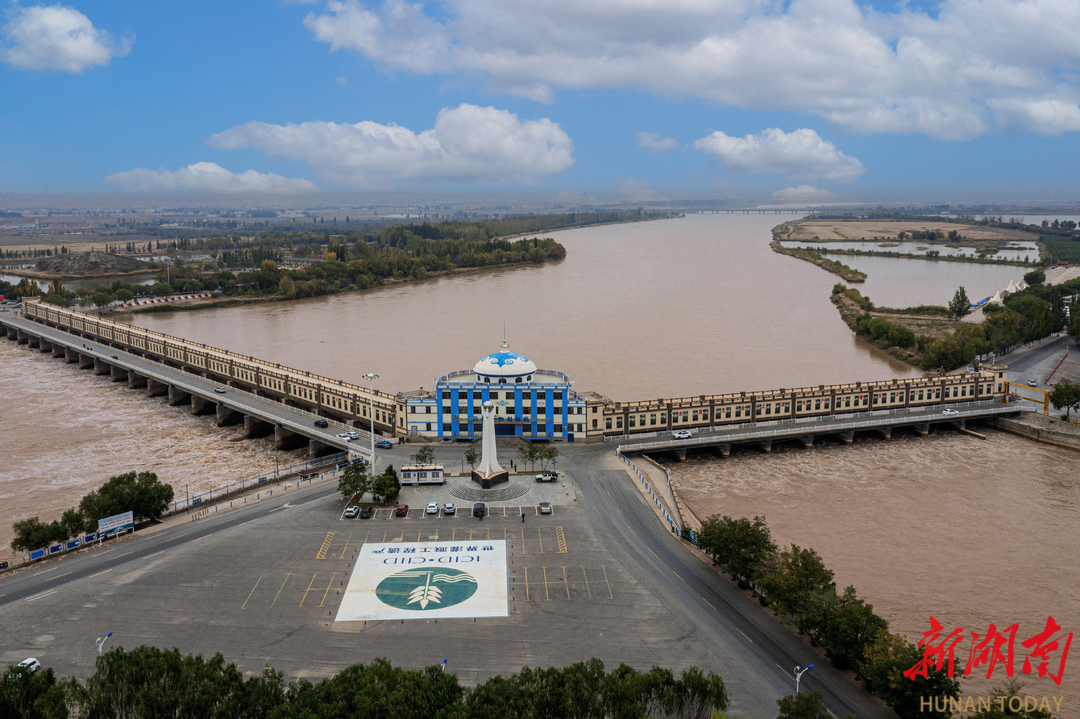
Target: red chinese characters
993	648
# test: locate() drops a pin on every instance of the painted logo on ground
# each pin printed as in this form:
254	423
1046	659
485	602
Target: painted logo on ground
425	589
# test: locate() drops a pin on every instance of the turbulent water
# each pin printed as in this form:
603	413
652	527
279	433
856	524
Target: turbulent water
65	432
972	532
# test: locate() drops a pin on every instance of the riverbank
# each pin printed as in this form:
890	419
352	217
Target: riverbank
928	258
837	268
1047	429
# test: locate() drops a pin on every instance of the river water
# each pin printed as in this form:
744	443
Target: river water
972	532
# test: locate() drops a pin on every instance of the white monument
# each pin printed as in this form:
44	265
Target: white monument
489	473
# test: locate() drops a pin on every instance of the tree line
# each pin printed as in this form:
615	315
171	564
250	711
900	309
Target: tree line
140	493
148	683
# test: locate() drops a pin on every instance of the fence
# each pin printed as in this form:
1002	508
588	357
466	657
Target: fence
1033	343
663	509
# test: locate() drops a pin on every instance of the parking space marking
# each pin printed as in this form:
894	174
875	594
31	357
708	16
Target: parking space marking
325	545
279	590
328	585
308	588
342	555
610	595
561	538
565	582
244	605
453	535
587	588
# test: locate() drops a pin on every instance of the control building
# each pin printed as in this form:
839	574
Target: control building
531	403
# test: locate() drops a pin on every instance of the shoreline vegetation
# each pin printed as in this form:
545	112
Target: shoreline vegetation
285	265
837	268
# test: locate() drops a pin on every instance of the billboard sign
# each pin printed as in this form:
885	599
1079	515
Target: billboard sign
116	523
427	580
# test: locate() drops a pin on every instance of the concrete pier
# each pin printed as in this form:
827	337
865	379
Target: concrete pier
807	441
680	454
885	432
118	374
33	341
846	437
44	346
12	333
287	439
70	355
921	429
315	448
226	416
86	361
255	427
58	350
766	446
155	388
721	450
202	406
22	337
135	381
178	396
101	367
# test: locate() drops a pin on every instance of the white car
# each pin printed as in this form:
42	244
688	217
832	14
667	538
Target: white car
682	434
448	508
352	512
949	412
219	390
432	508
353	435
32	664
345	437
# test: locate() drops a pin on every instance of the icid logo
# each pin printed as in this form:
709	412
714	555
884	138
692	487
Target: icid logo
421	589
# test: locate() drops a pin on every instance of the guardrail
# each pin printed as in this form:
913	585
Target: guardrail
663	509
974	409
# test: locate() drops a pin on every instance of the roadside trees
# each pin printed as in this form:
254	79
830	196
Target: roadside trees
742	547
804	705
356	481
960	306
140	493
885	662
387	484
1066	395
471	455
548	453
425	455
528	452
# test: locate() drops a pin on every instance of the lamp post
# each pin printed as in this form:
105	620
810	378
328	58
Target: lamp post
101	642
798	675
371	377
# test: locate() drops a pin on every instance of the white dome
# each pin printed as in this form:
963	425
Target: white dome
504	363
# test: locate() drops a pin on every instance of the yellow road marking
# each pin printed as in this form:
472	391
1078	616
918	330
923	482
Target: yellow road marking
346	545
489	534
547	597
504	534
677	574
561	538
308	588
328	585
366	536
453	535
418	535
279	590
541	540
741	632
708	602
325	545
385	532
470	535
252	590
565	583
653	553
123	555
610	595
784	671
58	576
631	530
527	584
586	575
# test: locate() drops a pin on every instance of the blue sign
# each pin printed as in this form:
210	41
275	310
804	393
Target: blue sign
196	501
89	538
37	554
261	480
3	565
72	544
116	523
57	549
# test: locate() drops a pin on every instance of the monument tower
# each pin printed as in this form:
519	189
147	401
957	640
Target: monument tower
489	473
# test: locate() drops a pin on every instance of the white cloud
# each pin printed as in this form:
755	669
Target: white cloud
803	194
863	70
652	142
800	155
467	143
57	37
208	178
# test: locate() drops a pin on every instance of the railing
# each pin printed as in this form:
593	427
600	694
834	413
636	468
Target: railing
1033	343
663	509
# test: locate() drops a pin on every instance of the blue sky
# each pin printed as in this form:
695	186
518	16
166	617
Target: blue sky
807	100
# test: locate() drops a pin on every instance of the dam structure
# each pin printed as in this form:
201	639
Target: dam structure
294	404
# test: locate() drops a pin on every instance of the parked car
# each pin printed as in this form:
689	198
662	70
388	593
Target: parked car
432	508
322	423
1033	382
219	390
345	437
351	512
366	513
682	434
545	508
402	510
31	664
115	357
448	508
548	476
384	444
479	510
949	412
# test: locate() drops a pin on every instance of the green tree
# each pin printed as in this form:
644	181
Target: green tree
125	295
791	579
1074	325
742	547
804	705
471	455
1035	277
387	484
885	662
355	481
140	493
425	455
101	298
30	534
161	289
547	453
28	695
960	306
850	627
528	452
1001	709
1066	395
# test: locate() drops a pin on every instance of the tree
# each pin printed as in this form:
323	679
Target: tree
960	306
1074	327
1001	709
387	484
32	695
885	662
161	289
101	298
791	578
1066	395
356	481
528	452
742	547
30	534
849	629
804	705
471	455
1035	277
125	295
547	453
425	455
140	493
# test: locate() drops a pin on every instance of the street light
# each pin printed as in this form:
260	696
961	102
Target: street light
101	642
371	377
798	675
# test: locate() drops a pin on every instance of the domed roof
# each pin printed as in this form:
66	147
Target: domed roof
504	363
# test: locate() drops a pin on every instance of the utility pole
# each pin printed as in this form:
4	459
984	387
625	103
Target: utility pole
798	675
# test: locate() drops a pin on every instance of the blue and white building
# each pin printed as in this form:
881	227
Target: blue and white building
531	403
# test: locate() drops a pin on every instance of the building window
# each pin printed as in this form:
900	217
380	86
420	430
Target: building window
558	428
558	395
487	379
618	423
594	423
768	409
446	395
642	420
428	425
695	415
727	412
704	414
517	380
847	401
427	410
663	418
446	429
738	411
477	396
607	422
817	404
509	395
633	420
652	419
594	409
502	380
963	391
920	394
